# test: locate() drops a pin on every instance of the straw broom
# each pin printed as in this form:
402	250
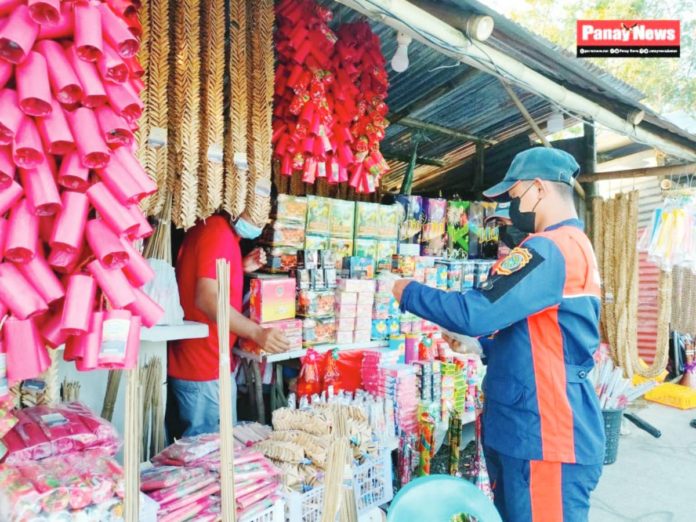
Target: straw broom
211	190
236	132
70	391
229	512
184	126
144	58
50	377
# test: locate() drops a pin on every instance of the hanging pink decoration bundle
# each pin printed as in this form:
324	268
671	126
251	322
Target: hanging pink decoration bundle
70	186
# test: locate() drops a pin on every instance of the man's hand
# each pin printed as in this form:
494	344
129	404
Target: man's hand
254	261
272	340
399	287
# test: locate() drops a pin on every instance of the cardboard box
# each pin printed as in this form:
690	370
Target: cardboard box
390	218
311	303
367	223
342	248
272	299
291	209
380	329
342	219
365	248
361	336
363	323
346	298
366	299
284	235
318	331
359	266
344	337
318	215
346	310
357	285
316	242
344	323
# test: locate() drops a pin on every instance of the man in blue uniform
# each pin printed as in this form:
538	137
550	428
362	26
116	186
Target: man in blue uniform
542	426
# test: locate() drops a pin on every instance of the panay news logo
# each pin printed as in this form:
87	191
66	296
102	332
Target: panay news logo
628	38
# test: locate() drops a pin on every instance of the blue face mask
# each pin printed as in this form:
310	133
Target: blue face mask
246	230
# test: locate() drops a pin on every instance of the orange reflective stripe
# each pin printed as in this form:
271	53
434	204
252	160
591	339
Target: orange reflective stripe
545	491
556	416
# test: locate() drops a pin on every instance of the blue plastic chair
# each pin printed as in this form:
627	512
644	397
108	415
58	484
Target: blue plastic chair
438	498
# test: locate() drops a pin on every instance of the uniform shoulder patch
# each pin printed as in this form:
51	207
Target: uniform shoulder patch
515	261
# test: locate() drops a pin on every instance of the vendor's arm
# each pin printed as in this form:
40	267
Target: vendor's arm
528	281
269	339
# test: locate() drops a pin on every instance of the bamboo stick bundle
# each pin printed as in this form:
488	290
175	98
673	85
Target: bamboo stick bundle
333	479
159	245
112	384
70	391
184	125
157	102
157	441
131	449
50	377
236	134
145	374
226	428
212	128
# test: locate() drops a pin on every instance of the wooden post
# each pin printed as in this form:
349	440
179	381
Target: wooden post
132	440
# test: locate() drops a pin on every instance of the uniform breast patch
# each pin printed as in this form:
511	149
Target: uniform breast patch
516	260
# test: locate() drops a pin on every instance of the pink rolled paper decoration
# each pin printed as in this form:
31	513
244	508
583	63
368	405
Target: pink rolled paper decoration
51	329
137	269
44	12
94	94
7	6
9	196
65	261
46	228
121	183
133	343
124	100
84	349
93	151
21	243
6	72
144	228
106	245
65	26
27	150
33	86
117	215
3	234
116	332
43	279
64	81
26	354
138	85
148	310
112	67
72	174
7	167
41	189
11	116
115	128
79	304
18	295
55	132
131	163
18	36
69	227
136	70
3	312
113	283
88	33
116	32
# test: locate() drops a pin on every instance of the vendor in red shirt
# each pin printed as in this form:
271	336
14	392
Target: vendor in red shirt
192	381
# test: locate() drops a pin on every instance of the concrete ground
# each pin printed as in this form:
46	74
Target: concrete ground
653	480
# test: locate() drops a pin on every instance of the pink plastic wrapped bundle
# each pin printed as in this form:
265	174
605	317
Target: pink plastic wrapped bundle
18	35
7	418
53	496
18	295
51	329
27	357
115	128
72	174
174	495
117	34
94	94
45	12
41	190
64	82
120	340
55	132
121	183
42	278
112	67
113	283
148	310
21	242
9	196
144	228
88	32
7	167
6	72
64	261
117	215
84	349
137	270
65	26
18	498
163	477
133	166
69	226
33	87
91	147
187	450
104	473
27	149
11	116
79	304
186	509
124	100
106	245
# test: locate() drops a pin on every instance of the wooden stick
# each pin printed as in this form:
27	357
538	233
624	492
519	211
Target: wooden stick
131	451
112	385
229	512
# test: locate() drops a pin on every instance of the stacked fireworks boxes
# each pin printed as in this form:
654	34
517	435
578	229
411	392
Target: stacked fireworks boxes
377	232
354	301
385	315
285	235
272	305
316	286
430	385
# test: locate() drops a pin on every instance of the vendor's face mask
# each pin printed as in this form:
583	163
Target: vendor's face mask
511	236
246	230
523	221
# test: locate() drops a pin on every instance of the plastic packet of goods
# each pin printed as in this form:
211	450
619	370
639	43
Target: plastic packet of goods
463	343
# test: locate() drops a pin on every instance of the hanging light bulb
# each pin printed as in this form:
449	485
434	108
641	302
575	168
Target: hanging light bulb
555	122
399	62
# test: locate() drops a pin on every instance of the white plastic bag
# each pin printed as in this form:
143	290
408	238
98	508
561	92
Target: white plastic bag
164	290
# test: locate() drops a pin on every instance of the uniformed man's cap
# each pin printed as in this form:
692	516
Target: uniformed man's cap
536	163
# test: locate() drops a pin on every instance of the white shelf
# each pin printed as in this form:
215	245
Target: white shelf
321	348
164	333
